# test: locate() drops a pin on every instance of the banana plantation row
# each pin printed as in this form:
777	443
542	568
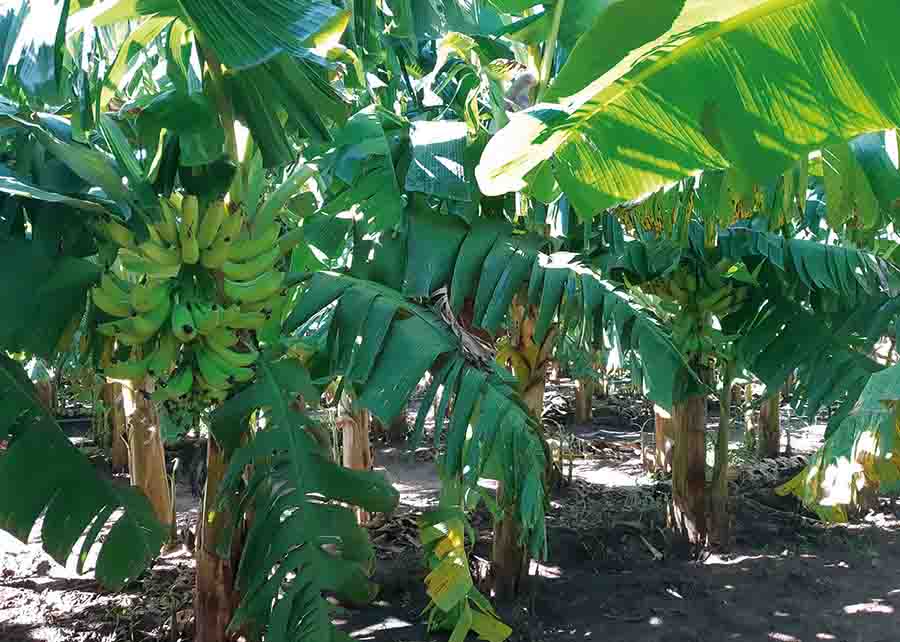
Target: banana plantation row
226	208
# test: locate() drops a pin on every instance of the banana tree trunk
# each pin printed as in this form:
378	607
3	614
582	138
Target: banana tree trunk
398	428
770	426
584	393
216	597
687	512
146	456
665	440
719	517
509	564
354	426
47	394
115	423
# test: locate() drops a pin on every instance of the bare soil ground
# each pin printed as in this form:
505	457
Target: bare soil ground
610	574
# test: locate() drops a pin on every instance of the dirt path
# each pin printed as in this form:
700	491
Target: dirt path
784	582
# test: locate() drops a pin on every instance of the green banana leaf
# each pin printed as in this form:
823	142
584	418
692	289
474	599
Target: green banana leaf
77	501
47	296
292	491
682	108
862	453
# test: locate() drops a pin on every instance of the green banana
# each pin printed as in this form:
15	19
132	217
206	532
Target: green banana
190	211
206	317
113	328
114	286
252	268
164	256
290	240
167	225
259	289
128	370
110	305
210	223
215	255
128	338
713	298
149	323
183	323
231	227
139	265
678	293
214	375
119	234
206	386
245	249
249	321
690	282
232	357
240	374
147	296
223	336
190	249
177	386
163	358
187	231
236	318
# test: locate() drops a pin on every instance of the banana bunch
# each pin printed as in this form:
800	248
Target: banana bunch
167	300
700	298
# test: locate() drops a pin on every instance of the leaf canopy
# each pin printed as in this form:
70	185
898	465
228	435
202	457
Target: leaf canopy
757	92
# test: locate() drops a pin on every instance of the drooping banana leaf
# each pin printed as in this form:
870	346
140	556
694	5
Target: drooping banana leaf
861	454
684	107
301	542
46	295
74	500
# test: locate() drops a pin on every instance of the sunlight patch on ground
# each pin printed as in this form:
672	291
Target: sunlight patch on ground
388	624
716	559
873	607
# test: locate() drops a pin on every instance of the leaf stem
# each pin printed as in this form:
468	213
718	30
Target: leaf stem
550	49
